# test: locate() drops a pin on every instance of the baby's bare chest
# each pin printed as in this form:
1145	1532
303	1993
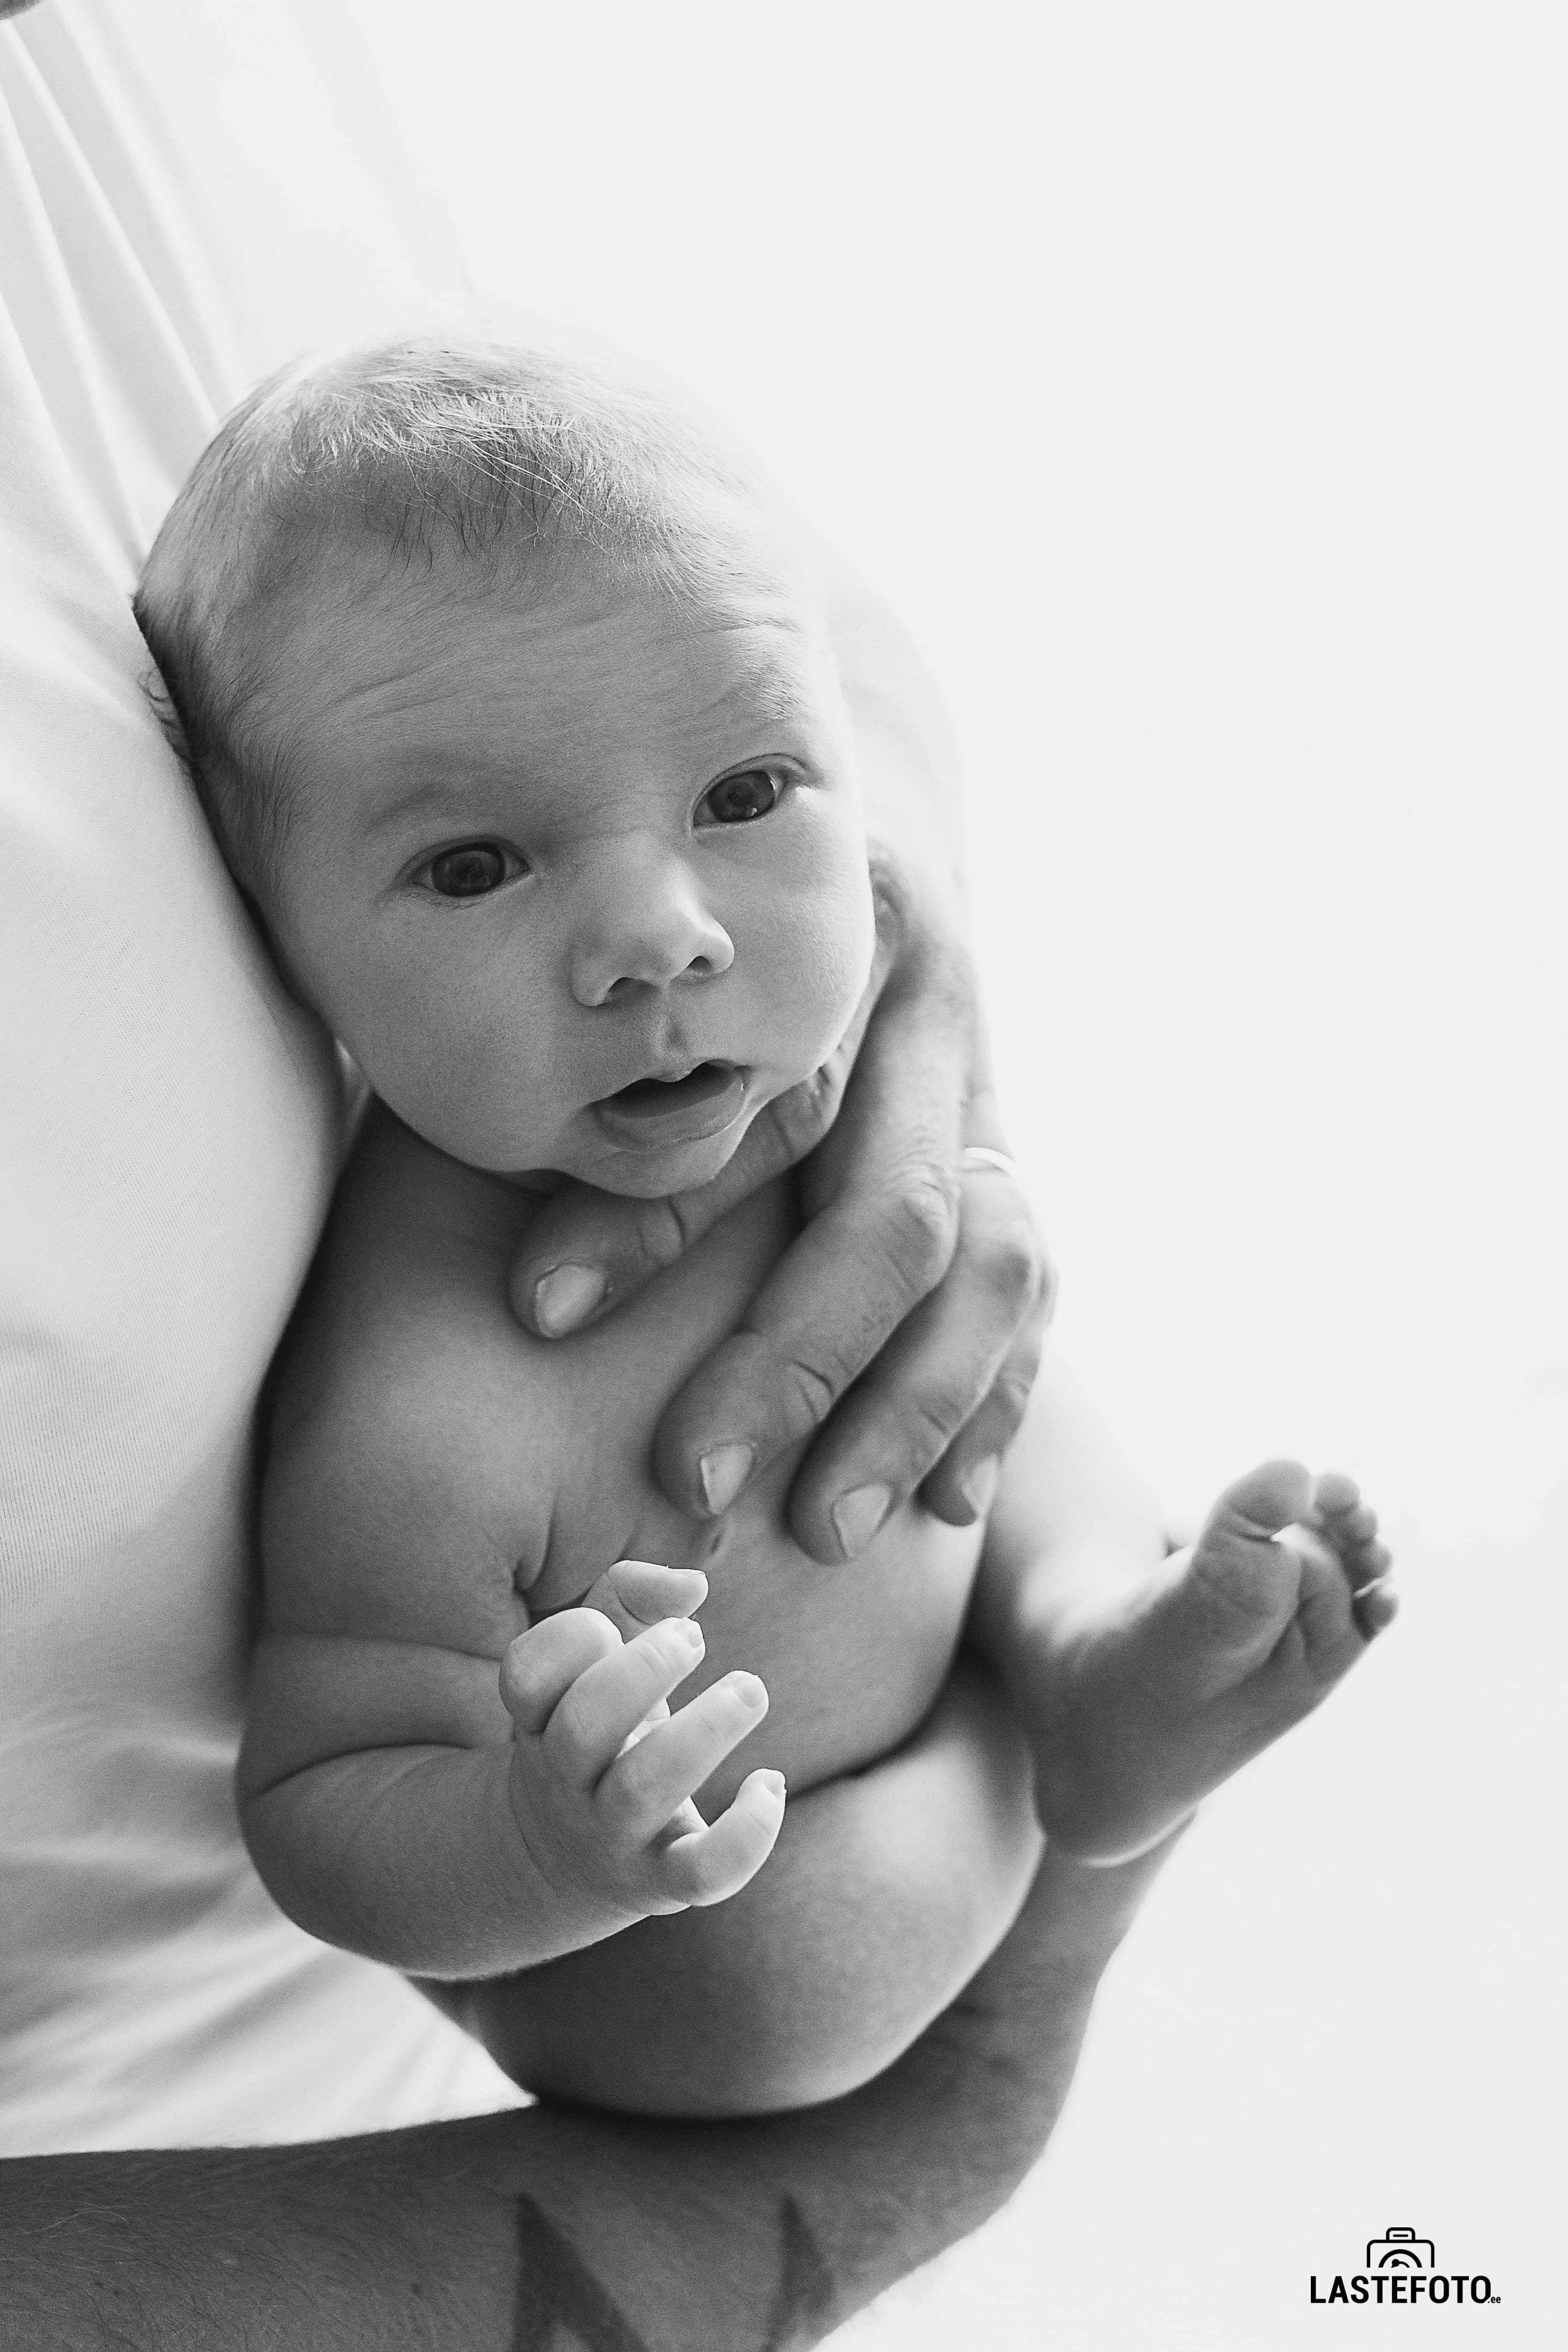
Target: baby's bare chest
852	1656
499	1475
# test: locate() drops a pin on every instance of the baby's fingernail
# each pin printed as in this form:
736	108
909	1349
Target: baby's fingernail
774	1782
750	1690
566	1296
978	1485
857	1514
724	1472
685	1630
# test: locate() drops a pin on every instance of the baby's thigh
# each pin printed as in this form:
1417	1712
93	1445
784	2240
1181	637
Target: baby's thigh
885	1892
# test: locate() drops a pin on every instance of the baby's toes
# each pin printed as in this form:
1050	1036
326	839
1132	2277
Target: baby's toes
1276	1494
1350	1526
1238	1585
1324	1605
1376	1609
1335	1495
1364	1564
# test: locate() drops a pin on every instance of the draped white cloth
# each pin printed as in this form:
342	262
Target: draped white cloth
189	190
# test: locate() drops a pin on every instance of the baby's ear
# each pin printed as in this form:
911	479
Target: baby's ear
636	1593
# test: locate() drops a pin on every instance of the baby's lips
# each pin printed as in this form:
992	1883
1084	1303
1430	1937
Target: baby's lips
650	1115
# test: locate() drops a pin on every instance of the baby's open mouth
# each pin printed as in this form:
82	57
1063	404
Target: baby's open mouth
653	1113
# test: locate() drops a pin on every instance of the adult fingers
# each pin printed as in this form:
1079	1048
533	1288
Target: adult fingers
653	1780
952	1381
541	1665
709	1864
1003	1274
594	1719
960	1488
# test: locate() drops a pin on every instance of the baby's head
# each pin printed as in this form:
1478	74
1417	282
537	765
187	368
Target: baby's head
515	715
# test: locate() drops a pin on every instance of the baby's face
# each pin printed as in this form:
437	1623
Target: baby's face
579	883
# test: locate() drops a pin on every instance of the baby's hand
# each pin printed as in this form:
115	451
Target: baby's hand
603	1774
636	1593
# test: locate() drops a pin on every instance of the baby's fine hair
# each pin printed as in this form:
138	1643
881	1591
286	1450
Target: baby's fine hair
422	449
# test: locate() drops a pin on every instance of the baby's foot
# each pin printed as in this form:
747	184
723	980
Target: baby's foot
1141	1713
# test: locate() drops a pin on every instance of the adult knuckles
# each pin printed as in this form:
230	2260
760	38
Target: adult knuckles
1011	1389
808	1393
660	1235
780	1382
1011	1264
927	1424
633	1245
919	1226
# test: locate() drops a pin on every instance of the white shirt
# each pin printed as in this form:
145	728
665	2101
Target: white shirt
189	191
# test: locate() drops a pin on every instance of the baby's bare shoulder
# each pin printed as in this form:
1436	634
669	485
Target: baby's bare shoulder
408	1484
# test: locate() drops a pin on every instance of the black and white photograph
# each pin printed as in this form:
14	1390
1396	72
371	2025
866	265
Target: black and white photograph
783	1297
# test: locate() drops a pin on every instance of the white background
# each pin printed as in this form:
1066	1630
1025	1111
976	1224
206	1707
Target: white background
1191	381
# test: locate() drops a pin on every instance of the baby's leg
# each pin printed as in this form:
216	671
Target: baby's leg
1143	1706
885	1892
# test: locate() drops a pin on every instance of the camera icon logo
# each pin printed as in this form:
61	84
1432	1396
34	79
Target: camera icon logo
1400	2249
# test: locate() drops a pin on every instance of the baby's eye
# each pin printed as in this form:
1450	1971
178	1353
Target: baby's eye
738	799
471	870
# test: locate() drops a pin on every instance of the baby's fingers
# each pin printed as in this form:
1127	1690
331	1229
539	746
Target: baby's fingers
636	1593
708	1865
542	1665
603	1707
652	1781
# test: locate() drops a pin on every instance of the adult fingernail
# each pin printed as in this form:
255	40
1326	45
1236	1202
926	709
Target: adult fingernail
724	1472
978	1484
565	1298
857	1514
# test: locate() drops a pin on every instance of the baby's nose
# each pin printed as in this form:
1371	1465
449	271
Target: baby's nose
647	925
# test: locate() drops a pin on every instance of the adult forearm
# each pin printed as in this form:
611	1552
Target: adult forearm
497	2233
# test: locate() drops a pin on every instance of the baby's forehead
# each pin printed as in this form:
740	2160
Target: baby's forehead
463	674
571	616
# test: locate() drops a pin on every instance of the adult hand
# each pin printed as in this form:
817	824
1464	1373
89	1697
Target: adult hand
904	1324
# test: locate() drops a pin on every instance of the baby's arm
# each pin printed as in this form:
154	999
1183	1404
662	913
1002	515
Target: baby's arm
397	1802
457	1860
422	1809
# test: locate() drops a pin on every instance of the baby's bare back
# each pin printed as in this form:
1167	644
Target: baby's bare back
438	1477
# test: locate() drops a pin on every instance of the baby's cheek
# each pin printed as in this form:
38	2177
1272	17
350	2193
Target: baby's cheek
840	953
471	1088
807	1000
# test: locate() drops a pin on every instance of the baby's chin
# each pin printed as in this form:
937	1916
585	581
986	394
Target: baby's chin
653	1175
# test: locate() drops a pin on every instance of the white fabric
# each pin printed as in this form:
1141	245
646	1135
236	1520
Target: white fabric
189	190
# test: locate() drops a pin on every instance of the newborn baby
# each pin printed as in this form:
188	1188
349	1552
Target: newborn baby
513	708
